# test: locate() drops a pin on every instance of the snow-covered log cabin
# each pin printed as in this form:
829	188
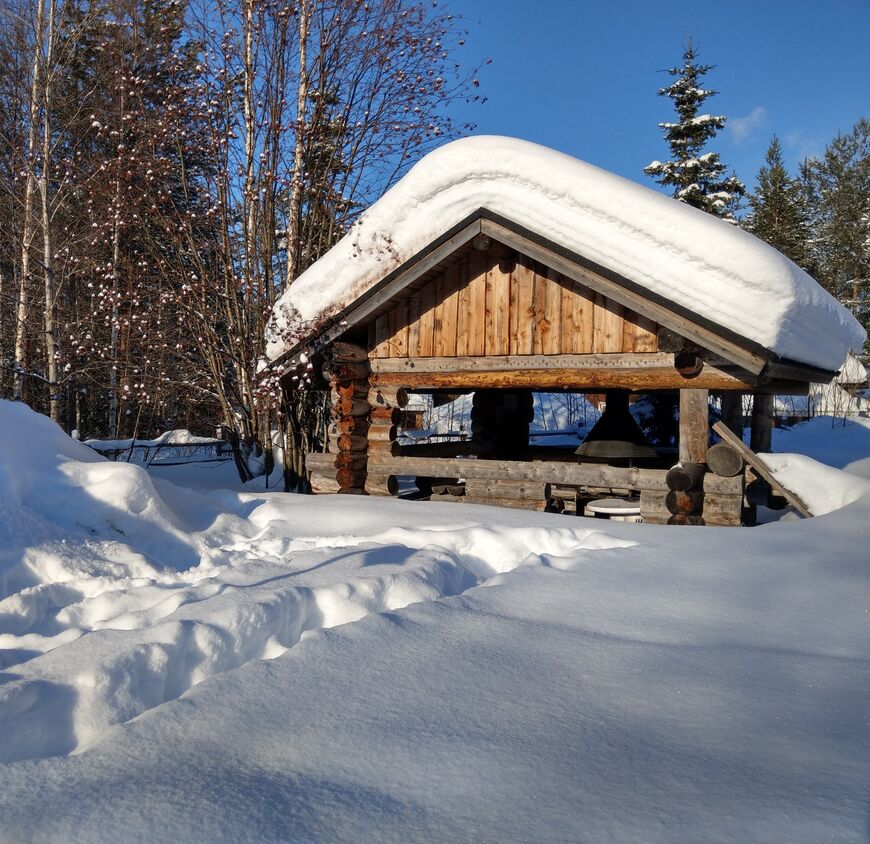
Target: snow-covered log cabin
501	267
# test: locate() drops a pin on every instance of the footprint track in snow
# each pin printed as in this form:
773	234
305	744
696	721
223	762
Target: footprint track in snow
144	645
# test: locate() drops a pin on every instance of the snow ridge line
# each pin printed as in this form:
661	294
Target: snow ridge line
107	677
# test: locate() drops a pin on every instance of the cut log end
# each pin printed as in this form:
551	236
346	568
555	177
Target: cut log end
724	460
686	476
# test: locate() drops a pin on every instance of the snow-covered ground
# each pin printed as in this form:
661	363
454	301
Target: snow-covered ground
214	665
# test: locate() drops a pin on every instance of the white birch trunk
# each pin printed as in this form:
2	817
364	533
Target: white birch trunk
29	227
294	232
47	245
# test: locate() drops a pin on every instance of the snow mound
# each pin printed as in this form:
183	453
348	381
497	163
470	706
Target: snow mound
822	488
119	593
838	442
680	253
61	496
186	666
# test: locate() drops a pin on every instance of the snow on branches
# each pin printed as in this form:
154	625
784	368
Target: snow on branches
697	178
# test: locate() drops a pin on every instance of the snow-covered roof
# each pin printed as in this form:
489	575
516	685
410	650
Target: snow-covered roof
715	270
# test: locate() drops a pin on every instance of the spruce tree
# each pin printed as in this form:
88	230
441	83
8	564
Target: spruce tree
697	177
838	188
778	213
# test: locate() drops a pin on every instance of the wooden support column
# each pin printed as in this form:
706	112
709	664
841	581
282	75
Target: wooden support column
484	418
500	420
732	411
517	412
762	423
694	425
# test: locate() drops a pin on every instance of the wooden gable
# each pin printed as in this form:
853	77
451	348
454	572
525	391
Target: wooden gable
489	304
494	303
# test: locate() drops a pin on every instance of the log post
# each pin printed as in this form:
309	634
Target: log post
762	423
694	425
484	417
500	420
686	499
732	411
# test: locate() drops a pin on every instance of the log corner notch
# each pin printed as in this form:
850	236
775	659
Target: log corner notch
365	423
386	405
347	371
690	501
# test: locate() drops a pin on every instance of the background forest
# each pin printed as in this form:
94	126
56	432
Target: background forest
168	168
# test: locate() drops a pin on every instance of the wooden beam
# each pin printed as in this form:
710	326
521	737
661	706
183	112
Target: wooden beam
793	371
694	425
513	503
488	488
628	297
729	377
723	510
321	462
504	363
544	471
761	469
633	378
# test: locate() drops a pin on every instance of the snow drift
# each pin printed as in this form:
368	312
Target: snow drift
119	593
685	255
209	667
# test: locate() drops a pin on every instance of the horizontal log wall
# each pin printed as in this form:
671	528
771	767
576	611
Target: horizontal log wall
544	471
488	305
714	499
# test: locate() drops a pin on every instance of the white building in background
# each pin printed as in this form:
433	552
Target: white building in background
845	395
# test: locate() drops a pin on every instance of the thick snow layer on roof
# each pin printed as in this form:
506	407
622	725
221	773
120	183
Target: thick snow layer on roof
710	267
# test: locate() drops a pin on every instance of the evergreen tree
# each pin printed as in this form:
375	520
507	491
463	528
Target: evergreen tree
778	213
697	177
838	190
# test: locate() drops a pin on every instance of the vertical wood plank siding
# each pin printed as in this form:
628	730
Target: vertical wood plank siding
479	307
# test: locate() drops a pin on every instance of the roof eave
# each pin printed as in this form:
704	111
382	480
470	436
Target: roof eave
749	355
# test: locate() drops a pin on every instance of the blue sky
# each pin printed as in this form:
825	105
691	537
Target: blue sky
582	75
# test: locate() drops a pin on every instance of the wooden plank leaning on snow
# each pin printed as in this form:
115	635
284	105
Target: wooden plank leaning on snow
761	469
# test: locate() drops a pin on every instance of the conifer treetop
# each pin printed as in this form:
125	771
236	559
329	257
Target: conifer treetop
697	177
778	214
